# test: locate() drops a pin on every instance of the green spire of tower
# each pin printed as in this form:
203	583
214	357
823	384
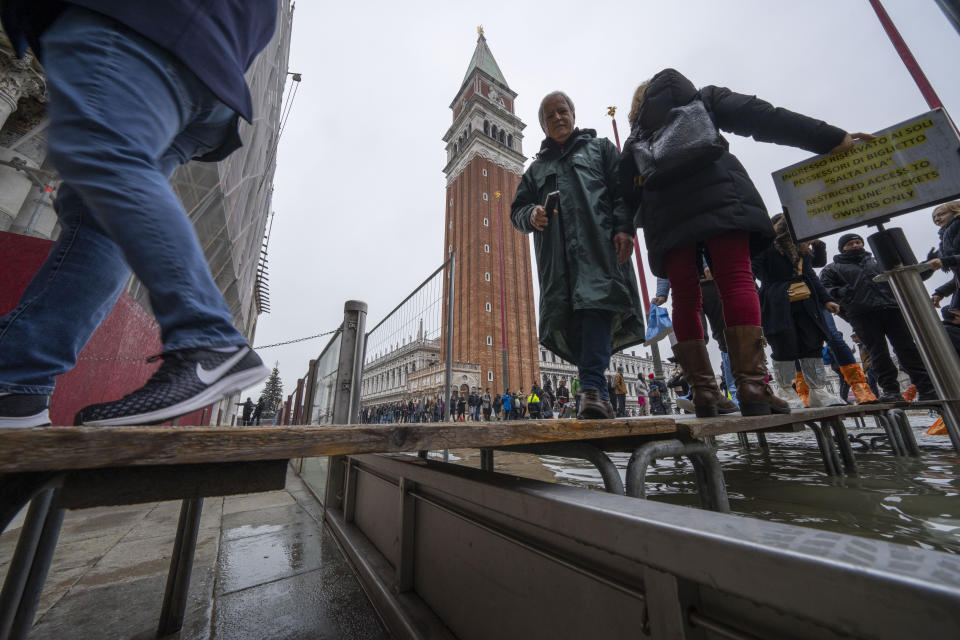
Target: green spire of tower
482	59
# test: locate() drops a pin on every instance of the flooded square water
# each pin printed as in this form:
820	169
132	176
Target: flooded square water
911	501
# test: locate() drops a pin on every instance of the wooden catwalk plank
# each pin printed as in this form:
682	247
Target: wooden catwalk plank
65	448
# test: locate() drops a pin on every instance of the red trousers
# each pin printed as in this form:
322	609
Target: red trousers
730	254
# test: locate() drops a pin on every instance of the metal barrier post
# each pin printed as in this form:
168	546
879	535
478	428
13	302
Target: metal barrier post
346	399
19	567
448	374
43	558
181	566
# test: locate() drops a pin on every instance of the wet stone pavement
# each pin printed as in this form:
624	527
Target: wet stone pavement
265	568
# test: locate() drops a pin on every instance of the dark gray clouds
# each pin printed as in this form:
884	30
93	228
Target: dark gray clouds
359	191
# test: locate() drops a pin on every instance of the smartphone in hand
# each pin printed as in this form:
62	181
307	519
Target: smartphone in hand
552	203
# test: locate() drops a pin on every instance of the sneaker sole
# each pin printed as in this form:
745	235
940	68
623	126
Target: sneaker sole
220	389
41	419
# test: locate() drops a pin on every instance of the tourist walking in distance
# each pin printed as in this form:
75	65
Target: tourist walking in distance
643	404
693	196
589	301
533	403
575	390
135	90
658	396
563	394
247	411
620	391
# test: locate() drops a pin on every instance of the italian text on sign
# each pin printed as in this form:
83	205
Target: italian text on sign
909	166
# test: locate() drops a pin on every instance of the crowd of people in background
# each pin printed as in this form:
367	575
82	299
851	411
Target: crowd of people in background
655	396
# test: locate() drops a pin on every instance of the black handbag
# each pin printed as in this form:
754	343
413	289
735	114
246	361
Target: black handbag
687	141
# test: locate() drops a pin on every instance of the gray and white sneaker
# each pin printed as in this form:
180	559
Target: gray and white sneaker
188	380
24	410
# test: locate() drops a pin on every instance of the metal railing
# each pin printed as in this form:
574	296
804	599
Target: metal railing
404	352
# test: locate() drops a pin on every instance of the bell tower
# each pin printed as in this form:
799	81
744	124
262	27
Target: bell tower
494	318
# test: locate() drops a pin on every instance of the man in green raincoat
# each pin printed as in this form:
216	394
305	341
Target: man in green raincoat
589	303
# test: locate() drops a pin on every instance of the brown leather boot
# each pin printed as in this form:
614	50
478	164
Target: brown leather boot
853	374
749	363
726	405
693	357
594	407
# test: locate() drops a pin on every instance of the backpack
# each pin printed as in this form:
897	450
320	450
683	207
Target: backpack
687	141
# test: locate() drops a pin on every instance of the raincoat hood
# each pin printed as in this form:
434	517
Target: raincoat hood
667	89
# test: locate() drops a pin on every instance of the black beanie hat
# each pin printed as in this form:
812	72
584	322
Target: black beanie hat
847	237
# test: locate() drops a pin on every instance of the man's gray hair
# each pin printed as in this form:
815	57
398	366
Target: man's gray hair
573	111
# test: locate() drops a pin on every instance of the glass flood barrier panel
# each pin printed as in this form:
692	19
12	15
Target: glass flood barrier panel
314	470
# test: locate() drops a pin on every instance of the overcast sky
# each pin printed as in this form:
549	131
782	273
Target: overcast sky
359	188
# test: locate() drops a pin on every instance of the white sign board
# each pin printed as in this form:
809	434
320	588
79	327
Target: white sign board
909	166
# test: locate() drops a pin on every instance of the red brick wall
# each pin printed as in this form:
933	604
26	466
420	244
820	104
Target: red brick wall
113	362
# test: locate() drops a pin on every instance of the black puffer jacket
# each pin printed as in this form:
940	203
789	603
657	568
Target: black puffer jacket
776	273
849	280
720	197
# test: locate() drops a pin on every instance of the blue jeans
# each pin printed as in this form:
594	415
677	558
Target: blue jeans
594	349
835	341
123	114
728	378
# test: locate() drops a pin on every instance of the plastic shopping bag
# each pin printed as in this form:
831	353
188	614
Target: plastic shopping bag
658	324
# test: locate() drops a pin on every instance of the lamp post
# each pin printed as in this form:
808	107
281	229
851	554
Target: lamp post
503	303
641	273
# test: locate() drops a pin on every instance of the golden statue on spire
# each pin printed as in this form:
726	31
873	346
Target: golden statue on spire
480	30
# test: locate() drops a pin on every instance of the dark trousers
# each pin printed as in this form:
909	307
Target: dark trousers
888	324
621	404
953	331
803	340
713	311
594	327
872	381
844	386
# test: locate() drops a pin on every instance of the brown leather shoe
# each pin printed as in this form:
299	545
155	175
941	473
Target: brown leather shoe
749	363
594	407
693	357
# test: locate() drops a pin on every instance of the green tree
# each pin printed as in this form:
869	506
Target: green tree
272	394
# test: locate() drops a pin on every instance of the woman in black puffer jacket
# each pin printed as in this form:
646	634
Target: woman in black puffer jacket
795	328
714	207
947	256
